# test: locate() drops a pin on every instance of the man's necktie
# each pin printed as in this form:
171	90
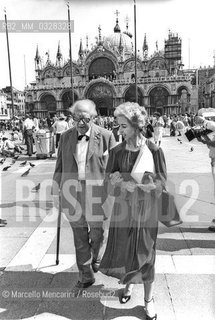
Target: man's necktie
83	135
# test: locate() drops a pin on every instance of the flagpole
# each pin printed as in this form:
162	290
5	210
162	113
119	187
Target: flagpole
25	71
70	53
135	51
8	53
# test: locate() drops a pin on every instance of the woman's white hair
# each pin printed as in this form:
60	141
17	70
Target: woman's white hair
89	104
133	112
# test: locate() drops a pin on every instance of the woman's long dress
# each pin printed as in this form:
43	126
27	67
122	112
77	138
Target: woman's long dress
130	250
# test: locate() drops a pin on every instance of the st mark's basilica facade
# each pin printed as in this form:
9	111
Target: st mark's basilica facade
105	73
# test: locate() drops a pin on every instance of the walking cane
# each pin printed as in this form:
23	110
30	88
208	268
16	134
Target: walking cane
58	231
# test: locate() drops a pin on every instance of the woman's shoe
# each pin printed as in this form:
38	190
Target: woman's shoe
124	298
147	315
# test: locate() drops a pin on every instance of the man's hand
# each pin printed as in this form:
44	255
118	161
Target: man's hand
147	187
56	201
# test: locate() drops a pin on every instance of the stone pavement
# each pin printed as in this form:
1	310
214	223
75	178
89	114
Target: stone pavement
33	287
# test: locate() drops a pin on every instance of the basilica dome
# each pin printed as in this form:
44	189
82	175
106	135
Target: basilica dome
119	40
115	40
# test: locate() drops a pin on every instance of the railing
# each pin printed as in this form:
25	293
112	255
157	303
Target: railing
115	82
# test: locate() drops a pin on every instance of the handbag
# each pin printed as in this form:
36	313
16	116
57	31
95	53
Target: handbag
168	213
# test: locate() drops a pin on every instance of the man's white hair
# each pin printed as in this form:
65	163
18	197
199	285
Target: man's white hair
84	103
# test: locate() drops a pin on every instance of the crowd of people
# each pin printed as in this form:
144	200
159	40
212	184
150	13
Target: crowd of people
22	128
111	149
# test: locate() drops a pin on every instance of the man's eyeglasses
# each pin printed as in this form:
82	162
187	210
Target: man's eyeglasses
83	119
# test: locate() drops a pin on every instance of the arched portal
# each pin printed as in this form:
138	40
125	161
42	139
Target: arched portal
183	99
102	95
102	67
67	99
48	103
130	95
158	99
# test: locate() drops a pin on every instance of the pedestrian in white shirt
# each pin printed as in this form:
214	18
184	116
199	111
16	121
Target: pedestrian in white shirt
59	127
158	125
28	127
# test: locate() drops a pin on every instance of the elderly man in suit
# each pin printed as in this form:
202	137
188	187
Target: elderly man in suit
78	178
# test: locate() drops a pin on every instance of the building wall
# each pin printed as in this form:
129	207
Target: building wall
4	114
18	101
204	94
109	87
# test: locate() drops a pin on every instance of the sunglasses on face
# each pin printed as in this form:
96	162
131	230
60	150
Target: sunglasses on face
83	119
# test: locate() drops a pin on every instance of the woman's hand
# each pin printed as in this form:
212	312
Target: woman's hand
130	185
115	178
147	187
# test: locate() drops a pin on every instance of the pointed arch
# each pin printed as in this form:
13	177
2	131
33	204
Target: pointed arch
48	102
103	95
129	94
66	98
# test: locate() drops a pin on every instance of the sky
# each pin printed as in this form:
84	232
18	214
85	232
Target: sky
193	20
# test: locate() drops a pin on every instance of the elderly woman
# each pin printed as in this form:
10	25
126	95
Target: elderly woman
130	251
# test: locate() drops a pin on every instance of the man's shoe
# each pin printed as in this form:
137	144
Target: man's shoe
3	223
211	228
84	285
95	265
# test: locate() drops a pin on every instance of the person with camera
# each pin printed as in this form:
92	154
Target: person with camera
210	142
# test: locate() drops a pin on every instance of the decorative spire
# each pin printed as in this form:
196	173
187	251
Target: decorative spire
37	56
145	47
59	56
145	44
117	28
214	58
37	60
81	51
48	61
127	31
100	37
87	46
121	47
156	44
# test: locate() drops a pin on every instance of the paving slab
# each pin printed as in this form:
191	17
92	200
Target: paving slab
66	239
192	296
73	308
67	262
21	293
12	247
